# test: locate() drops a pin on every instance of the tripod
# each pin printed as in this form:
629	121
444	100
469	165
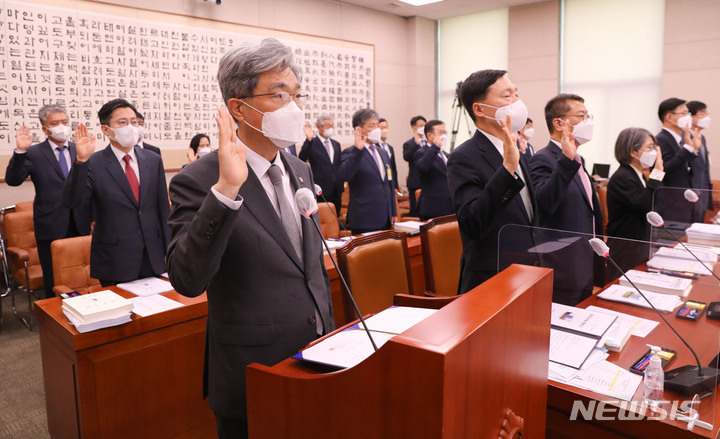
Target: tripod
457	113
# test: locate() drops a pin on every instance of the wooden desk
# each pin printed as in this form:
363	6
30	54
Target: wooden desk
702	335
142	379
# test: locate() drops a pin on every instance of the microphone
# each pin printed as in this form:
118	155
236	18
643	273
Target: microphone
307	205
319	192
683	379
656	220
692	197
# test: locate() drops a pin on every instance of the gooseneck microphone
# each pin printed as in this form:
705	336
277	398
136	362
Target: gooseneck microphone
319	192
684	379
692	197
307	205
656	220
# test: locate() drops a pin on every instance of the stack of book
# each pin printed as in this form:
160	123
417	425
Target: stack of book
701	233
98	310
657	283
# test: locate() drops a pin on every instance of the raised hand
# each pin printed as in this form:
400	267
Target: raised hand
84	143
231	157
511	155
191	155
569	148
23	138
360	138
309	132
659	160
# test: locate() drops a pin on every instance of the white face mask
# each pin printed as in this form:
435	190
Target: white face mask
684	122
126	136
203	151
328	133
704	123
518	114
647	159
443	141
420	131
60	132
284	126
141	132
374	135
528	133
584	131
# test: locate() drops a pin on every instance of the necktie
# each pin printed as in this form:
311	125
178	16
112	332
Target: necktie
286	213
132	178
442	156
585	180
62	161
329	149
378	160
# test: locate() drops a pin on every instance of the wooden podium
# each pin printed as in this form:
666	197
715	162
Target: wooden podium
475	369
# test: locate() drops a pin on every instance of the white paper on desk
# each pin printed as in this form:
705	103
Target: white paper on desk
570	349
344	349
396	319
147	286
580	320
146	306
640	327
561	373
608	379
619	293
659	262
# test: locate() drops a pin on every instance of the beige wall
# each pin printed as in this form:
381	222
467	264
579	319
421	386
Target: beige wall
691	62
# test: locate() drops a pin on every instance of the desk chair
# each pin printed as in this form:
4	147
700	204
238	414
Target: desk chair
71	265
19	207
376	268
344	203
328	221
602	198
24	261
442	250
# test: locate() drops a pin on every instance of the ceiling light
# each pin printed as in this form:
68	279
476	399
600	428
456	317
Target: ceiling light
420	2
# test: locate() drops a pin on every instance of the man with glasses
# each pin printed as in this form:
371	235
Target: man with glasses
431	163
322	152
564	189
128	194
238	234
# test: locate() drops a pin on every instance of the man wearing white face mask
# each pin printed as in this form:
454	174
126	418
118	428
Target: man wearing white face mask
431	162
417	124
565	193
141	135
323	154
126	188
366	168
47	164
523	140
701	173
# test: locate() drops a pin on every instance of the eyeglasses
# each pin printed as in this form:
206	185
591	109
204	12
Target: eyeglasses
579	116
650	147
283	98
683	113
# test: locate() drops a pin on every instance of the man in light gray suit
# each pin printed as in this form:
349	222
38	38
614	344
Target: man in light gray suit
237	232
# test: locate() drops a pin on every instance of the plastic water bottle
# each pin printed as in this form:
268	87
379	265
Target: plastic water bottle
654	379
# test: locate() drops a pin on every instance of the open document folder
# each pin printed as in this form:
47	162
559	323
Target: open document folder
351	346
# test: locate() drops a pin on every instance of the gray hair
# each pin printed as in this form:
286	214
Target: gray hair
322	118
630	139
47	110
240	68
362	115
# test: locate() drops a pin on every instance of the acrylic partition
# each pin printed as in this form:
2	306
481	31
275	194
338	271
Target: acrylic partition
579	274
681	207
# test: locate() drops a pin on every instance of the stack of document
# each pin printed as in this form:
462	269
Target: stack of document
575	332
147	286
701	233
409	227
98	310
706	255
657	283
623	294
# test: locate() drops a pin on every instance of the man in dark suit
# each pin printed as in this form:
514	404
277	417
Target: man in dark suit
523	139
238	235
366	168
417	124
488	178
141	135
680	152
431	162
565	194
384	130
47	164
128	194
701	172
323	154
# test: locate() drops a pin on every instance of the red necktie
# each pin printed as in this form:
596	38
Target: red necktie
132	178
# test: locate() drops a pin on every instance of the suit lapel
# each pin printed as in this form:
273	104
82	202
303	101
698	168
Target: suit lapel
116	171
578	180
145	172
369	155
49	154
488	151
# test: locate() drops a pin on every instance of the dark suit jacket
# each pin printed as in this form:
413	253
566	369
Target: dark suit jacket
409	148
628	202
393	165
529	151
152	148
562	199
372	198
261	300
676	160
435	196
701	179
122	226
486	197
292	149
51	218
325	172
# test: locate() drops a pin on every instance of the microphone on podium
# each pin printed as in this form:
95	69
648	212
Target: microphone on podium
319	193
656	220
693	197
307	205
687	380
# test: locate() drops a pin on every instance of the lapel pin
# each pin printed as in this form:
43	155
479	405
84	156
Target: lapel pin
301	180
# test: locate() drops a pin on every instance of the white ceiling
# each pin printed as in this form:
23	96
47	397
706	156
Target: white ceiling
436	11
